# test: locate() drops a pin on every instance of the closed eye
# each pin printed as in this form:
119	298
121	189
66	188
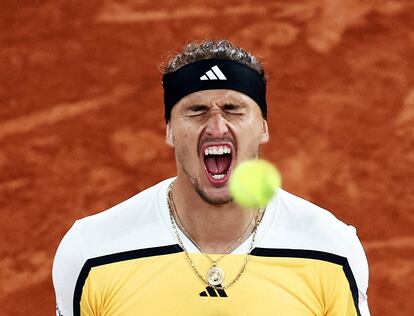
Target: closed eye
196	109
234	108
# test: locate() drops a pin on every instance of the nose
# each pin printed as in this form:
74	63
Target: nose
217	125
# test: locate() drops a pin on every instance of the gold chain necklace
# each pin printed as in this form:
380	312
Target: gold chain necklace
215	275
229	249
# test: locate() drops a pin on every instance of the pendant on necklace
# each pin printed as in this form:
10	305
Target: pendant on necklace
215	276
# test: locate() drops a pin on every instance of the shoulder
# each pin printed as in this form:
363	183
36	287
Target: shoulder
132	224
136	205
302	226
313	226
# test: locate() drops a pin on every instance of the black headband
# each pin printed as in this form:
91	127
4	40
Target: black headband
208	74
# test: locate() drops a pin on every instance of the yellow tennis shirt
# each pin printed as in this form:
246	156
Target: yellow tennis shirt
126	261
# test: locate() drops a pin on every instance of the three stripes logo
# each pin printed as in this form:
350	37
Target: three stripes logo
213	74
212	292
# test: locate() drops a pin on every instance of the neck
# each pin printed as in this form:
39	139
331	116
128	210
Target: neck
214	227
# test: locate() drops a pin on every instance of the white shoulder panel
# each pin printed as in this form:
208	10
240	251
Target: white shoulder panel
130	225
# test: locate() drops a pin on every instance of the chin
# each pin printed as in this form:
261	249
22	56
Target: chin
214	198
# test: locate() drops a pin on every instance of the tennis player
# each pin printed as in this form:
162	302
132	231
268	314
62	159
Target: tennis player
183	247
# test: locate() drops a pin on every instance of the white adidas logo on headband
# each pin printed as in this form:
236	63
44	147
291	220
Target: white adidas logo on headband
214	74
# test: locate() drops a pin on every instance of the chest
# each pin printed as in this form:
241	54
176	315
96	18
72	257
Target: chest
168	285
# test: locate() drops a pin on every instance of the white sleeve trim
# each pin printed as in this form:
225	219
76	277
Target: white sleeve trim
67	264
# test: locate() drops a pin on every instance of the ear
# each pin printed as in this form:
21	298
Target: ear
264	135
168	135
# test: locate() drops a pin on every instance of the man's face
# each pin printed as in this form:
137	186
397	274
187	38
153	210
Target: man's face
212	131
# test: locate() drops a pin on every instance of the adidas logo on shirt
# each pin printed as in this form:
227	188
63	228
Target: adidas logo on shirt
213	74
212	292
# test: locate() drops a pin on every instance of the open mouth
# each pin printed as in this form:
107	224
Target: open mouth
217	162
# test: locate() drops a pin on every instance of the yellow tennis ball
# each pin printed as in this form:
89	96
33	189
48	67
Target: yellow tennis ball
254	182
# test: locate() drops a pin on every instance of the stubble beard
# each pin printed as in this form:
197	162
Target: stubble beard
204	195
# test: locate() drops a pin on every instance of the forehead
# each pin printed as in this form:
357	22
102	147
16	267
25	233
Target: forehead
217	96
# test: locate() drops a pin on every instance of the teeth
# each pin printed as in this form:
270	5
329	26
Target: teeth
217	150
218	176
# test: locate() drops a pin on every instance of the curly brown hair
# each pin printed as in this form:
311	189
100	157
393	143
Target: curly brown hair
208	49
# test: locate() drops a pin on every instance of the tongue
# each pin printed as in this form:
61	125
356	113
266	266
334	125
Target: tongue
218	164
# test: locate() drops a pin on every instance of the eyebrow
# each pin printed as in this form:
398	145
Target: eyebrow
202	106
234	104
195	107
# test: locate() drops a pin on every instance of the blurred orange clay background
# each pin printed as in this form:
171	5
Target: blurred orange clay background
81	120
